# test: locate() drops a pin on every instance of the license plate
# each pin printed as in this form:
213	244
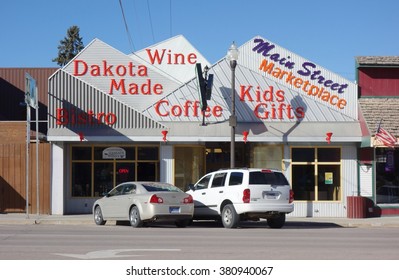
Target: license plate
174	210
271	195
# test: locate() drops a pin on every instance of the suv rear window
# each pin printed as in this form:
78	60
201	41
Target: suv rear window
267	178
236	178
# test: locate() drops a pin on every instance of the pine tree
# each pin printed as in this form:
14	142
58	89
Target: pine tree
69	47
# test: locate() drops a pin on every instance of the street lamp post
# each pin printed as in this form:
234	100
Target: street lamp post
232	56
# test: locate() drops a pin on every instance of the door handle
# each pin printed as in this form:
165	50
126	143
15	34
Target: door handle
220	191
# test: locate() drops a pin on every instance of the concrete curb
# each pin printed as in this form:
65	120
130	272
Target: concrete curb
23	219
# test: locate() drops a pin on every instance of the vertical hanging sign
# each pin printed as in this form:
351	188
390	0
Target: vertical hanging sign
30	91
31	101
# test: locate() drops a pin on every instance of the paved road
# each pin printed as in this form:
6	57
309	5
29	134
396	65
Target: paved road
204	241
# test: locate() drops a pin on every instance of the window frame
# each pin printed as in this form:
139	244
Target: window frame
337	191
92	161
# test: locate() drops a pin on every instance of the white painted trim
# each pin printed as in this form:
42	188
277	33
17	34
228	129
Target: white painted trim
166	164
57	179
239	138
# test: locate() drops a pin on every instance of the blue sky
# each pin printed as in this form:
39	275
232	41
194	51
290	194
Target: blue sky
329	33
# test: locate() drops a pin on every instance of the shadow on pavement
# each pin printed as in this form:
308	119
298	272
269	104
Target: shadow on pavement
245	224
303	224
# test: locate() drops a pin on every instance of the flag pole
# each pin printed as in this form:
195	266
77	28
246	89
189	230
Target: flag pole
376	131
379	125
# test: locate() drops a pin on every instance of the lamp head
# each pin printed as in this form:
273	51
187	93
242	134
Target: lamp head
232	53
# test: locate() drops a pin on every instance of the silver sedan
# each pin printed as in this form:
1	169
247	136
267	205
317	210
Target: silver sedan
142	202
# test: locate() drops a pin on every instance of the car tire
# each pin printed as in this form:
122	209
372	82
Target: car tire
134	217
276	221
230	218
183	223
98	216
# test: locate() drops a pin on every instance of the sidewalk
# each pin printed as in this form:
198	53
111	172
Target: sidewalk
19	218
386	221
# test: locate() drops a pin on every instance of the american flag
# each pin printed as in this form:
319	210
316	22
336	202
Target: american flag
385	137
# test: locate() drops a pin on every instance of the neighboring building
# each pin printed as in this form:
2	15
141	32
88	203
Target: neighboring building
116	117
378	79
13	132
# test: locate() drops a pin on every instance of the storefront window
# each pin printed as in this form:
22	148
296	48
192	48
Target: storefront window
148	153
328	154
125	172
387	174
317	178
97	169
218	155
147	171
81	153
81	178
303	155
103	177
328	182
303	182
267	157
189	165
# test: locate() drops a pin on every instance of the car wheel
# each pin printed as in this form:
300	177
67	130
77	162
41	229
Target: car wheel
182	223
134	217
98	216
230	218
276	221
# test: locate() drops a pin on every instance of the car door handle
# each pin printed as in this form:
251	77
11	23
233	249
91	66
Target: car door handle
220	191
203	193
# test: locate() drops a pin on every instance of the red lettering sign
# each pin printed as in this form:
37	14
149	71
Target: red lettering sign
189	109
164	55
75	117
146	88
81	68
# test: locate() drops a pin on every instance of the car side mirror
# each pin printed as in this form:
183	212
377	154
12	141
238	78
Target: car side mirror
191	187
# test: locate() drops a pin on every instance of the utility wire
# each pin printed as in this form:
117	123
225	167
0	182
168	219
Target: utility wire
127	28
132	46
170	17
137	25
152	29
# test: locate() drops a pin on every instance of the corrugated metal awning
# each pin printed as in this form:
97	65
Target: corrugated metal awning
267	132
272	132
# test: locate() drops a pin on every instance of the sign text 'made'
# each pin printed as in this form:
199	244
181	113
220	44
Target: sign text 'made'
306	77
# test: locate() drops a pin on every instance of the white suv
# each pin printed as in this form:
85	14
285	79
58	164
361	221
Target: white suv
243	194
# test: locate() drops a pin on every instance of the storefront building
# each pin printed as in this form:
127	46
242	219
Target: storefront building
378	79
115	117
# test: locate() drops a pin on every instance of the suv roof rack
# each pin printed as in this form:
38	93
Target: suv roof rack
243	168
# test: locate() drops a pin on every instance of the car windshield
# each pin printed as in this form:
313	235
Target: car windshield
267	178
153	187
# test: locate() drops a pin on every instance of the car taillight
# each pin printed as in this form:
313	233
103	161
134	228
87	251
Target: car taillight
266	171
188	200
291	196
246	196
156	199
